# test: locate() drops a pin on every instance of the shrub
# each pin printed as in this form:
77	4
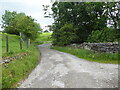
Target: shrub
105	35
65	35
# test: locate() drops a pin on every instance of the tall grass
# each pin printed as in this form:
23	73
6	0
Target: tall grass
0	59
111	58
17	70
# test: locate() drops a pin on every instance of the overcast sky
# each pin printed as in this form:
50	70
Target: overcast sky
32	8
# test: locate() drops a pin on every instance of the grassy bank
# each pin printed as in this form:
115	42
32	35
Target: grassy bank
17	70
91	56
14	45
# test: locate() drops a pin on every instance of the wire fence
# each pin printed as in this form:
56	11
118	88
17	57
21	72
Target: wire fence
10	42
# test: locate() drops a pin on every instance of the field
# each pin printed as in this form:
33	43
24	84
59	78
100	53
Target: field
91	56
14	45
17	70
44	38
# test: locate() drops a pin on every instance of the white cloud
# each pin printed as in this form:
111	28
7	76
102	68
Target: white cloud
32	8
28	1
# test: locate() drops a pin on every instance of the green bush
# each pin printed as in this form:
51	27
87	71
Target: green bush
105	35
14	23
65	35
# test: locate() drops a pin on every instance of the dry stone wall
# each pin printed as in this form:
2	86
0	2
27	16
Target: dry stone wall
99	47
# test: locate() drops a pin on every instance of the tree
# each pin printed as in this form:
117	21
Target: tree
65	35
113	12
86	16
105	35
19	22
7	18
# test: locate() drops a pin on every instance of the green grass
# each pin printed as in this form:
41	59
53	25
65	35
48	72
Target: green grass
14	45
17	70
0	45
0	76
111	58
44	38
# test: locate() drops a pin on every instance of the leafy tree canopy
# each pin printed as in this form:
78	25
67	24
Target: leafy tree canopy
14	23
86	16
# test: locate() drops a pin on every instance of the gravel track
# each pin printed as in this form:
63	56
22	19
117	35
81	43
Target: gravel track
61	70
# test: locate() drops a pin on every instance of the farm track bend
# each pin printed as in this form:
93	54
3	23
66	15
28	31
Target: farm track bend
61	70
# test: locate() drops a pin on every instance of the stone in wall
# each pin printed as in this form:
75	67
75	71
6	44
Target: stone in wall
99	47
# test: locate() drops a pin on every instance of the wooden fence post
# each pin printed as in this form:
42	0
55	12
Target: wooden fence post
27	43
7	43
20	43
21	36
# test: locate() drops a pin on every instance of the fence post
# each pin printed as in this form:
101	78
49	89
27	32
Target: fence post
20	43
21	36
27	43
7	43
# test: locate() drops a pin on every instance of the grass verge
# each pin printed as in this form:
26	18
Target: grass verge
111	58
17	70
